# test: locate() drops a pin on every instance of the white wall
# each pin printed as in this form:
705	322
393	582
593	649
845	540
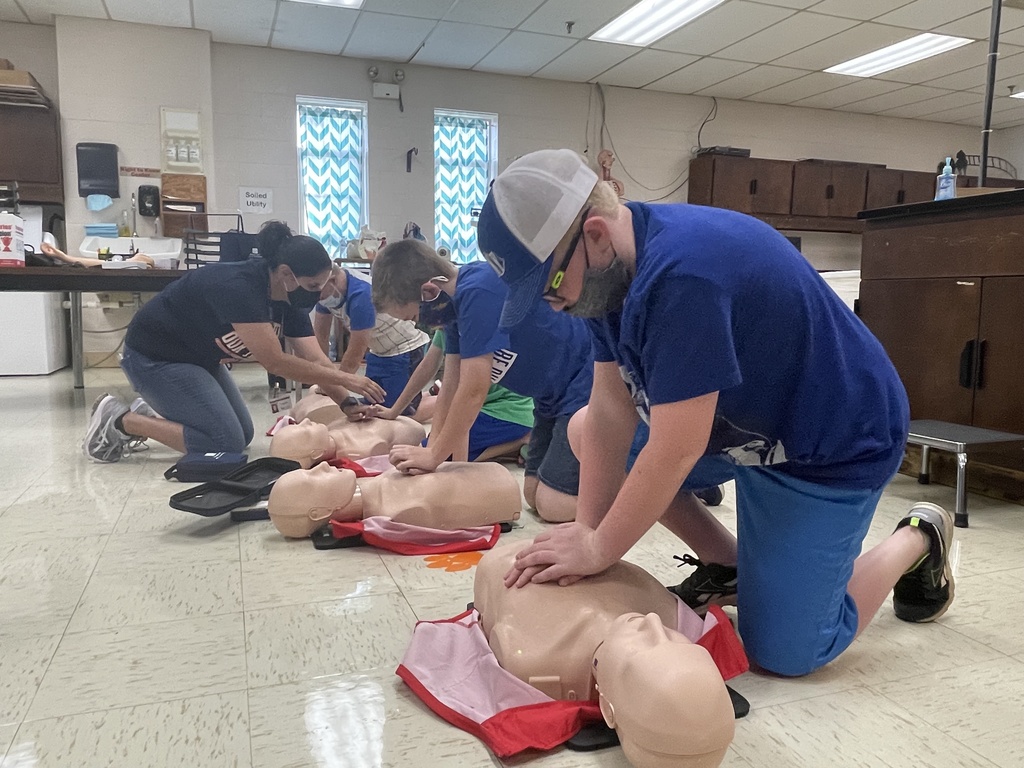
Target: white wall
254	93
114	77
33	49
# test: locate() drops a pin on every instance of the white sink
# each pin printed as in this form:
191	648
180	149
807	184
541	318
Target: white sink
165	251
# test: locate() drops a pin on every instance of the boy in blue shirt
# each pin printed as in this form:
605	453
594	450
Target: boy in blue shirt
746	366
548	358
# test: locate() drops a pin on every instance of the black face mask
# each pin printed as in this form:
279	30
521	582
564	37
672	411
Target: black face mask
603	291
438	312
302	298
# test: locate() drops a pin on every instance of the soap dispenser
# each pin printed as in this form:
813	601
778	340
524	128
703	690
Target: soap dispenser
945	183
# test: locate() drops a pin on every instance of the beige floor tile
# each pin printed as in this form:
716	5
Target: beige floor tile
366	720
437	603
299	642
261	541
142	665
335	575
47	512
988	608
170	549
205	732
158	517
148	596
979	706
23	662
414	572
858	727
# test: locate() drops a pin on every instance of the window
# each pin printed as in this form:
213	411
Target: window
465	162
332	170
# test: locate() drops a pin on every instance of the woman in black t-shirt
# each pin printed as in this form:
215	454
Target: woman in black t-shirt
177	344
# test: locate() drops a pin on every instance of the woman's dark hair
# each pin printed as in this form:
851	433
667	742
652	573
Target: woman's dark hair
304	255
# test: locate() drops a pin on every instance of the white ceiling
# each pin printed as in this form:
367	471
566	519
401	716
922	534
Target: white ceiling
769	51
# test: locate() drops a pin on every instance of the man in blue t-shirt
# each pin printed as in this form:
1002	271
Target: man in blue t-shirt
746	366
548	358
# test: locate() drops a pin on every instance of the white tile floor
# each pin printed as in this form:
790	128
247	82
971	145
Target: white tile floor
134	635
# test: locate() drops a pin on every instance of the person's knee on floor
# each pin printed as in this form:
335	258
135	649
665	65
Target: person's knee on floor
227	436
554	506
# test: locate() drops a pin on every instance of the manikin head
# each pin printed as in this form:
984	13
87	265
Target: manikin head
663	695
303	500
317	408
305	442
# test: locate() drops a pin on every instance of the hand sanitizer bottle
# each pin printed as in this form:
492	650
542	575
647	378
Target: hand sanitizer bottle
945	183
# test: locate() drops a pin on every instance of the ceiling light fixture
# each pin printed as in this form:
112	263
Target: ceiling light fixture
899	55
651	20
333	3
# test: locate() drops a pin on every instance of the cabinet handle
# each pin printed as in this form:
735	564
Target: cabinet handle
830	192
967	365
979	377
753	186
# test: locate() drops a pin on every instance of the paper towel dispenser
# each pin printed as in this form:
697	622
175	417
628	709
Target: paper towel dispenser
97	169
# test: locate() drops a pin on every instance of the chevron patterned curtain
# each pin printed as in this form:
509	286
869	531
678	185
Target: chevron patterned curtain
462	171
332	168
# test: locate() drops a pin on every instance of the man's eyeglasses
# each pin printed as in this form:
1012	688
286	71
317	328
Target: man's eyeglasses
556	281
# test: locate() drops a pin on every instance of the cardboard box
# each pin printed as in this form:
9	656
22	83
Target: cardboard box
5	64
12	240
15	79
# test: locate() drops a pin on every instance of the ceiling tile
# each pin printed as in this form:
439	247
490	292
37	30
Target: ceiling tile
588	17
166	13
790	3
304	27
506	15
645	67
978	25
865	10
11	12
721	27
458	45
699	75
1011	37
1008	71
803	88
847	45
379	36
243	22
523	53
424	9
925	15
931	106
911	94
967	112
753	81
788	35
961	81
586	60
42	11
947	63
862	89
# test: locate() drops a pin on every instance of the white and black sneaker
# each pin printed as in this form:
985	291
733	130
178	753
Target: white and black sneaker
104	442
925	591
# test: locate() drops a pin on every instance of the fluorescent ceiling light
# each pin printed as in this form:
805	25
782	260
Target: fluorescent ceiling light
1017	95
650	20
899	55
333	3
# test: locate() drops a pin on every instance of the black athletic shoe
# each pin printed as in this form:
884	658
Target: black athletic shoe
926	591
712	496
710	583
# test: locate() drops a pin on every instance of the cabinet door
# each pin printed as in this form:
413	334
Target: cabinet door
883	188
918	187
811	182
733	184
999	398
928	328
847	191
772	186
30	149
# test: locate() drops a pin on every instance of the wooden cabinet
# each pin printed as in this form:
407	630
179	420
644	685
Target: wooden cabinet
30	152
888	186
748	185
182	195
828	189
943	290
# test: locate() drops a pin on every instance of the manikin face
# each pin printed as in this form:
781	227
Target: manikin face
305	442
302	500
663	694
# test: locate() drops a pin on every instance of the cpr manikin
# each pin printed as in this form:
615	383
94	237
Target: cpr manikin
458	495
608	638
310	442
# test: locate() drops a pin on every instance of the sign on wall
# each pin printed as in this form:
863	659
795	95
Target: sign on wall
258	200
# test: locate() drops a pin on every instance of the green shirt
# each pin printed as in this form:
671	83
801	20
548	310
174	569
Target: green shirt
501	403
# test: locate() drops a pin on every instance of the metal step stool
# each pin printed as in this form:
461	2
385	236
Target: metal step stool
958	439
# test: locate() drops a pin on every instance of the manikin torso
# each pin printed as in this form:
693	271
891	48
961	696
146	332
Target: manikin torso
546	635
309	442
